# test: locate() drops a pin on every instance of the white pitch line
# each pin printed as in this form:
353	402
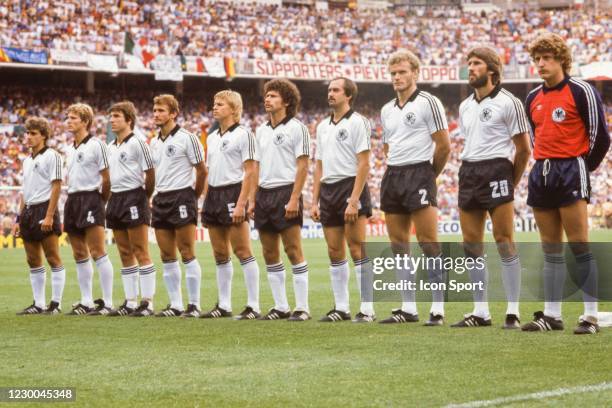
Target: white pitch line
534	396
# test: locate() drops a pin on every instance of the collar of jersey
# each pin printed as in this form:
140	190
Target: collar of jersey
557	87
346	116
229	129
41	151
491	94
172	133
285	120
82	141
412	98
124	140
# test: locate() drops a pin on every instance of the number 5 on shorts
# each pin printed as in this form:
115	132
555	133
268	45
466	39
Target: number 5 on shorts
183	211
90	217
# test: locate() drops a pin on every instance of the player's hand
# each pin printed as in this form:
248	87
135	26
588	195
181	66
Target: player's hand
351	213
251	210
16	231
239	214
47	224
314	213
292	209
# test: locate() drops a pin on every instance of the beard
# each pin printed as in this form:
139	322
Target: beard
479	81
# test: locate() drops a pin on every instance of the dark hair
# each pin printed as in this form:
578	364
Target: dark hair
350	89
40	124
287	91
128	110
491	58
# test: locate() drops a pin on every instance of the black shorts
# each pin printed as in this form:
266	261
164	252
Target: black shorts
334	200
405	189
219	205
83	210
486	184
128	209
31	219
555	183
174	209
270	205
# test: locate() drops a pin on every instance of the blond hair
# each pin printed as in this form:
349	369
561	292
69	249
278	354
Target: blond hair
234	100
405	55
169	101
83	111
553	43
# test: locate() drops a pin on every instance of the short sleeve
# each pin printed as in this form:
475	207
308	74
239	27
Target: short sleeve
101	156
144	156
55	167
515	118
318	144
248	149
436	119
361	134
195	151
301	145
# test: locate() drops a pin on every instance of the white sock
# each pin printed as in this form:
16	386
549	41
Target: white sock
481	304
85	276
225	272
340	273
172	277
300	286
193	279
555	271
38	278
105	268
129	276
147	283
276	279
511	277
58	281
437	275
586	271
363	273
251	278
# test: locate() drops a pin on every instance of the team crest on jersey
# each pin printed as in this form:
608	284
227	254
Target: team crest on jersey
279	139
410	118
170	150
342	135
123	157
224	144
486	114
558	115
79	157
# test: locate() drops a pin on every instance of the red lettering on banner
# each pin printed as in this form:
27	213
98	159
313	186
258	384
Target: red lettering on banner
261	67
443	72
357	72
286	69
305	70
330	71
277	68
453	74
435	72
338	71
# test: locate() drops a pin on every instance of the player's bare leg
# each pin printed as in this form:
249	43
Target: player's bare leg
185	242
50	246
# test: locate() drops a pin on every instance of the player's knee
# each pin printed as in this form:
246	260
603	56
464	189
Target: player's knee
187	253
243	252
294	253
141	254
54	260
221	256
270	255
33	261
335	254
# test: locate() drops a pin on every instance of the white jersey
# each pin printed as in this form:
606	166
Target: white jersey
407	129
85	162
127	163
338	144
489	125
39	171
174	158
226	154
278	149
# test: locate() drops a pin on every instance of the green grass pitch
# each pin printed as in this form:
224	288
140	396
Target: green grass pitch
173	362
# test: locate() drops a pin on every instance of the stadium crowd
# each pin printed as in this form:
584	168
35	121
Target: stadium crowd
16	104
205	28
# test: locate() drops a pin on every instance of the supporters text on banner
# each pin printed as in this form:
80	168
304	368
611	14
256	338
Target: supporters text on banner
327	71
